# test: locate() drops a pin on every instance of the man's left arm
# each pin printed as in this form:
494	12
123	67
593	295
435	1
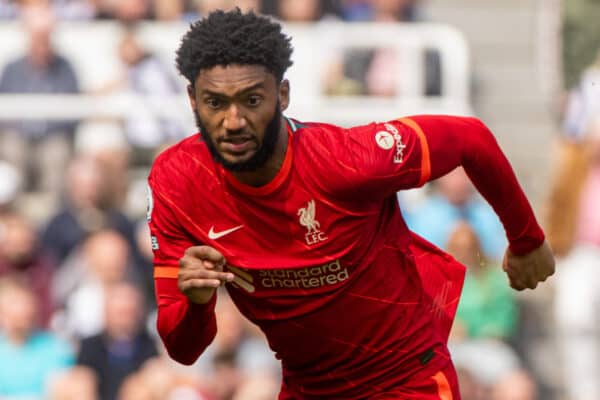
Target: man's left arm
449	142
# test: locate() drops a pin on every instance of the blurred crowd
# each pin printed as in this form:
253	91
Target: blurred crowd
77	310
190	10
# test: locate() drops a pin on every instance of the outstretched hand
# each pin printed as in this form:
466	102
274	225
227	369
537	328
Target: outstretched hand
526	271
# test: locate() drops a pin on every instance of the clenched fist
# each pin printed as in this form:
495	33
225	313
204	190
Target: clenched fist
526	271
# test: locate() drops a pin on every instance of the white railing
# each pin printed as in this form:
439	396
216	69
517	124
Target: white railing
92	49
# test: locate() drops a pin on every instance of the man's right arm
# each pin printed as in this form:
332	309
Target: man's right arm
186	307
186	328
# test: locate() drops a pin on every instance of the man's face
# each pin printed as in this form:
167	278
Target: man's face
238	111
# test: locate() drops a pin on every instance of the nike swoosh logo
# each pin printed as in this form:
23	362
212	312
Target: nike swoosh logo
216	235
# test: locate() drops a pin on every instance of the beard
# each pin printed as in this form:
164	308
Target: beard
262	154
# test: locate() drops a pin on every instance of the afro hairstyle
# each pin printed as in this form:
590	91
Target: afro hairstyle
232	37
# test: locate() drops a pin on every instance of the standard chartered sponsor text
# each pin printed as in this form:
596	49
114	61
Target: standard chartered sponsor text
304	278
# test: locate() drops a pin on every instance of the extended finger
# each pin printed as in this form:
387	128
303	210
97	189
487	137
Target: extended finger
190	284
205	274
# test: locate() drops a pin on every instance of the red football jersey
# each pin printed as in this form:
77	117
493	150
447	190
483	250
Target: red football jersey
352	303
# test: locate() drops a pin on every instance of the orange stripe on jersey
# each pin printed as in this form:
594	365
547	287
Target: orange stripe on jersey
425	160
165	272
444	391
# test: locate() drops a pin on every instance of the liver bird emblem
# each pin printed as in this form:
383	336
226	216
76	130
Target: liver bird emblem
307	217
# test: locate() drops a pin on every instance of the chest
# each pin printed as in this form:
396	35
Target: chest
297	226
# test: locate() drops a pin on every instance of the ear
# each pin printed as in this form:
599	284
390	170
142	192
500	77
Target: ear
192	96
284	94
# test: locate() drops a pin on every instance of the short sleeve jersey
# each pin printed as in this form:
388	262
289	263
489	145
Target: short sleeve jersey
348	298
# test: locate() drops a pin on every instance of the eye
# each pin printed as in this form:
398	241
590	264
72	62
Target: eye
213	102
254	100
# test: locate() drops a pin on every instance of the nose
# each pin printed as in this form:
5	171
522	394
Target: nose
234	120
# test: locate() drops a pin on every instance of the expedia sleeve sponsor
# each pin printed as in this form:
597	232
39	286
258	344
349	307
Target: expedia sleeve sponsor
398	143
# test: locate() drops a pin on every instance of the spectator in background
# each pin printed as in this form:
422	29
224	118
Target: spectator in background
517	385
75	9
249	5
77	383
379	10
395	10
123	346
146	75
8	10
103	260
124	10
11	180
374	71
172	10
470	387
574	230
104	142
158	379
583	103
299	11
257	387
28	357
237	353
487	307
144	262
22	259
86	208
485	322
168	10
453	200
203	7
40	144
355	10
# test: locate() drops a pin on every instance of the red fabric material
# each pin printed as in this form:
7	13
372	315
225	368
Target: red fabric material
442	278
185	328
420	387
348	298
468	142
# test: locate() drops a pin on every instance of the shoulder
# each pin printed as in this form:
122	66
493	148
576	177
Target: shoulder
62	61
331	131
14	66
146	340
317	143
335	134
179	171
17	62
179	159
49	342
150	63
317	137
314	129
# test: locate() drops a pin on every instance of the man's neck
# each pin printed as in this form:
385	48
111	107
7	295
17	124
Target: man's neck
270	169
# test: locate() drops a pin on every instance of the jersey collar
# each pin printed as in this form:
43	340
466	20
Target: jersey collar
281	176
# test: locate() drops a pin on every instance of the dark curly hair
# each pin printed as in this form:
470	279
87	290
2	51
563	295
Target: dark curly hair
232	37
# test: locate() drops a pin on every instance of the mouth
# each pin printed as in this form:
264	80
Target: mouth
237	145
